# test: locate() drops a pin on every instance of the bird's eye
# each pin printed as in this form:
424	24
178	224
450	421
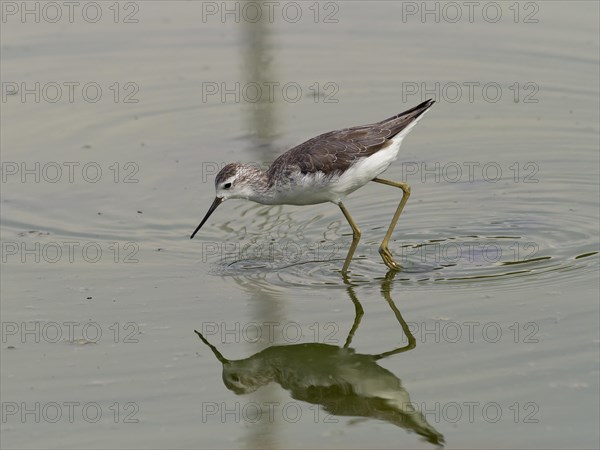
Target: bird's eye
226	185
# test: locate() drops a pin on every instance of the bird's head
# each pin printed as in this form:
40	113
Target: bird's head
233	181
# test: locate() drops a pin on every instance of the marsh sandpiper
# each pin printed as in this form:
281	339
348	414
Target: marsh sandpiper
323	169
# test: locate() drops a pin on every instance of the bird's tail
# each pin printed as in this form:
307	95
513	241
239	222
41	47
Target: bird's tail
402	123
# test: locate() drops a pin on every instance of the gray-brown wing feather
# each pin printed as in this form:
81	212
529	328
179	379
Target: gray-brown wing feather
336	151
331	152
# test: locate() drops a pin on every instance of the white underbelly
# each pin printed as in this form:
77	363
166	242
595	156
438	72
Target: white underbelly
366	169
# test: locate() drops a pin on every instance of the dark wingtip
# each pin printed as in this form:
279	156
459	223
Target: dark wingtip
426	104
420	108
413	112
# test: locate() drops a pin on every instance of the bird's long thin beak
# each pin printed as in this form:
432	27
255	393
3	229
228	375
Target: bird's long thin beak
216	352
217	202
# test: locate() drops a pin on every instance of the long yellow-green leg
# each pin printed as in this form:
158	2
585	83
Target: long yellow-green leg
385	253
358	313
355	236
386	290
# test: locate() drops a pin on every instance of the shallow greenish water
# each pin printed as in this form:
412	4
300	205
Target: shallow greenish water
487	339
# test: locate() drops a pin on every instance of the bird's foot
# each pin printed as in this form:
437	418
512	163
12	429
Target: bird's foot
386	255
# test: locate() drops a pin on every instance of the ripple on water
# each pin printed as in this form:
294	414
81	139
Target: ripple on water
511	252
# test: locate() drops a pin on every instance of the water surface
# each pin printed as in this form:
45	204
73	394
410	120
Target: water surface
499	240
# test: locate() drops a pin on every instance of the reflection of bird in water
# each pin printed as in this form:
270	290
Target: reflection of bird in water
343	382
